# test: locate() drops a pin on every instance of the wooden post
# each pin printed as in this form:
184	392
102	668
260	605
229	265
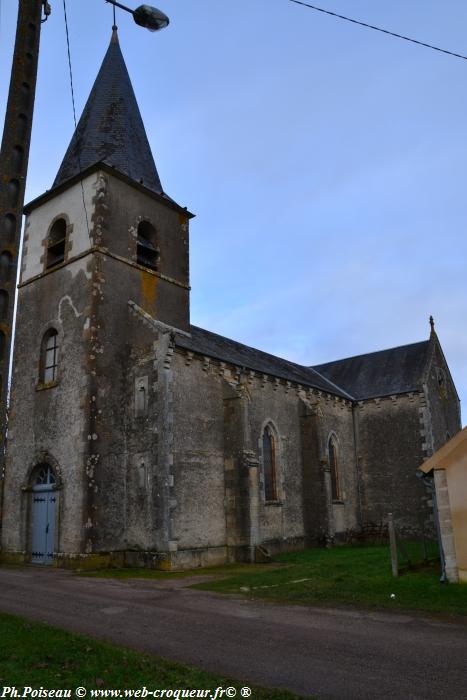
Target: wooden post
14	154
424	547
393	545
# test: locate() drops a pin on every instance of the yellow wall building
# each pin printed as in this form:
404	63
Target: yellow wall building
449	468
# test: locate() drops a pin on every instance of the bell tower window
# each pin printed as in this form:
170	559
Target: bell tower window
56	243
147	252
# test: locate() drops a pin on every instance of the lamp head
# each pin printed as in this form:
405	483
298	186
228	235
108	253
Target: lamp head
150	18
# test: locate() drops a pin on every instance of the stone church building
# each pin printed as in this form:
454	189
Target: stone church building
136	438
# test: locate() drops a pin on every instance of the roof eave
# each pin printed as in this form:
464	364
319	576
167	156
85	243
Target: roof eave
446	454
400	392
49	194
333	389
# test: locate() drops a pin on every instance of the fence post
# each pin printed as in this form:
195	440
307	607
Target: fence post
424	548
393	545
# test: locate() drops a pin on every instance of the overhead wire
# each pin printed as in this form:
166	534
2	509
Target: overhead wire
379	29
74	115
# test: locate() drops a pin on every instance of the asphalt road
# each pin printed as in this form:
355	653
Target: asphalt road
329	653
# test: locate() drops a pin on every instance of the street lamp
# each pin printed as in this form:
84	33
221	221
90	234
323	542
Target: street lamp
145	16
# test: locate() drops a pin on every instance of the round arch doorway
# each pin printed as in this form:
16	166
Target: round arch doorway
43	511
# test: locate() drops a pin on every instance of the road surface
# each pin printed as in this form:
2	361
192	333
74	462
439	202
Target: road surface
330	653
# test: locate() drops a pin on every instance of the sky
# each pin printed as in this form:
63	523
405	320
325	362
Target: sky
325	163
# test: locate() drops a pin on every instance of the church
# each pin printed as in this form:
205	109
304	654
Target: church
138	439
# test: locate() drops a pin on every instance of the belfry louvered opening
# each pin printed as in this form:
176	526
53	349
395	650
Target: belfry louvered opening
147	252
56	243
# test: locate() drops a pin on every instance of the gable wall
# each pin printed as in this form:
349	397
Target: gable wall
442	401
391	446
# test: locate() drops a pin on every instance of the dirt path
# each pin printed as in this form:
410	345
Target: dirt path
331	653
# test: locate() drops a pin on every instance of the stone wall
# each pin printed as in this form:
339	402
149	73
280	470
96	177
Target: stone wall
48	421
219	415
128	497
391	444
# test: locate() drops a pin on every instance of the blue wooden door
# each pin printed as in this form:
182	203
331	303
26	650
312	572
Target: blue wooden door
44	501
43	526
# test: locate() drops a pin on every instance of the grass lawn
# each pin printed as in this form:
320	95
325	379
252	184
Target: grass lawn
349	575
33	654
354	575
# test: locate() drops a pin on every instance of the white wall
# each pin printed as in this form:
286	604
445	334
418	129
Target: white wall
69	202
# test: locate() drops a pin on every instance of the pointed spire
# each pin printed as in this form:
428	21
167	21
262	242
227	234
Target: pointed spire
111	130
432	324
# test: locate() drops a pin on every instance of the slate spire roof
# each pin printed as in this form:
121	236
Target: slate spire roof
111	130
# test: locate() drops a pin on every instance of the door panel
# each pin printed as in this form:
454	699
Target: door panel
43	526
50	529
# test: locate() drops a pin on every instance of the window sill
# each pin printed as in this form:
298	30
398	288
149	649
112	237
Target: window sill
48	385
337	502
273	503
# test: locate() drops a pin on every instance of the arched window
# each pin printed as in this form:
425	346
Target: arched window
49	357
147	253
56	243
269	464
43	477
334	466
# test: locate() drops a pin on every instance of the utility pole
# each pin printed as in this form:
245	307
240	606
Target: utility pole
14	156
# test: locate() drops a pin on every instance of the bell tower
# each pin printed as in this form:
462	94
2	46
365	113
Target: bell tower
106	239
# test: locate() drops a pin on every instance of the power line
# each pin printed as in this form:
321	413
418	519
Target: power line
378	29
74	113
